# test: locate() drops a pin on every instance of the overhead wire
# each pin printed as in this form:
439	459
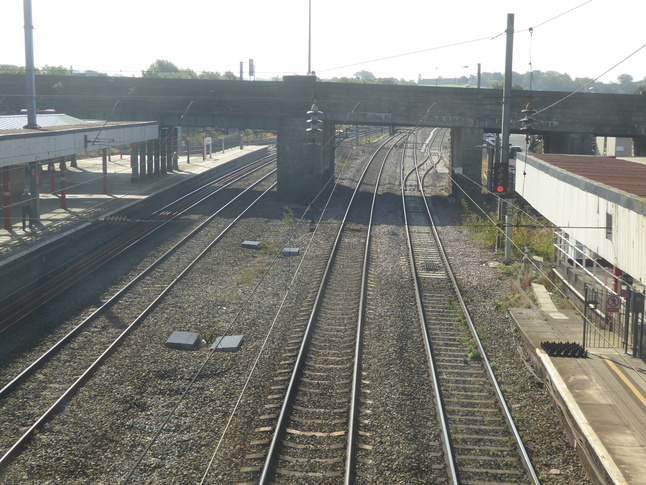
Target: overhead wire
395	56
561	14
590	82
454	44
421	51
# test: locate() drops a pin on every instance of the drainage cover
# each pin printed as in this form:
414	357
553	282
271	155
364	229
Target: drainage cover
183	340
228	343
290	251
251	244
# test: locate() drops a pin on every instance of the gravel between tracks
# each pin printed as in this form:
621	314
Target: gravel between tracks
107	426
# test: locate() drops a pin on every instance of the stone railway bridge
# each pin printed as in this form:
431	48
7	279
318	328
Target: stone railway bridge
306	160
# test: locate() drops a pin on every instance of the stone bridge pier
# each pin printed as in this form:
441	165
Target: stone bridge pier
639	146
569	143
305	159
466	152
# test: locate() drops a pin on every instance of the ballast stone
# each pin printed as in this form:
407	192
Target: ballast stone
228	343
183	340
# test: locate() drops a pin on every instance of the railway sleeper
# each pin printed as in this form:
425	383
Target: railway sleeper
293	473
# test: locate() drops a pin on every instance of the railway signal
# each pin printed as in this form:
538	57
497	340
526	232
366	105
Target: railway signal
500	178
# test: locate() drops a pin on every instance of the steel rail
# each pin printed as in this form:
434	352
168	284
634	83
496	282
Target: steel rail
291	387
98	256
450	456
507	413
28	371
349	463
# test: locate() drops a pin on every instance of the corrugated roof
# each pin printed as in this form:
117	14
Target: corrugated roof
624	175
44	120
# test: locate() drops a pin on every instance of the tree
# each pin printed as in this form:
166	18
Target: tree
209	75
10	69
230	76
625	79
165	69
365	76
55	71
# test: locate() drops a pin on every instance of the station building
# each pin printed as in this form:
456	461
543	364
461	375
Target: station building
599	205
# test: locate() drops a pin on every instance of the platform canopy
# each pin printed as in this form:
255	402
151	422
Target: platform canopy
61	135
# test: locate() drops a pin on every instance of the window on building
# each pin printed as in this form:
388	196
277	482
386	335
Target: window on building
608	226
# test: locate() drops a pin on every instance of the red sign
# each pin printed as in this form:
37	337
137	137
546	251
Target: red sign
613	303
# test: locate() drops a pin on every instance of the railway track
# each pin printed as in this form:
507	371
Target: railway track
158	415
317	424
309	430
66	365
482	444
22	302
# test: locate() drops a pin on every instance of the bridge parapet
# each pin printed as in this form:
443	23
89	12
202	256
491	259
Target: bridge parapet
261	104
566	121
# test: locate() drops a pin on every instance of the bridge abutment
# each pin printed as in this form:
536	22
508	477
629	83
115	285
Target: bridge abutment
568	143
639	146
466	152
305	159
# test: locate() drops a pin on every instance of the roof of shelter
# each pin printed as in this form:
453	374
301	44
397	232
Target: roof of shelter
44	120
625	175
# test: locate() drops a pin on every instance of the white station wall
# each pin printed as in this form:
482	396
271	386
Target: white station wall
582	208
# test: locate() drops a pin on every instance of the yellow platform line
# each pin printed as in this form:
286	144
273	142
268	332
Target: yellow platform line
626	381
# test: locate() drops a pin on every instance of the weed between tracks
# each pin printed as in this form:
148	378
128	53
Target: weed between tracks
532	239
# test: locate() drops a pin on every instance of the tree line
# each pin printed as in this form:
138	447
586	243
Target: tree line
544	81
159	69
534	80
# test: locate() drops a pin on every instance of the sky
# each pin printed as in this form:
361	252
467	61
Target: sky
406	39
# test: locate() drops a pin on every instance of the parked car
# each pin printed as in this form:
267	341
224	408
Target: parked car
513	151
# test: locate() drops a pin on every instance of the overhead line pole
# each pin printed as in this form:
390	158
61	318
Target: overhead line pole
506	116
29	68
309	42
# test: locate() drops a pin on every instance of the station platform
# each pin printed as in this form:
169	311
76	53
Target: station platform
86	202
601	398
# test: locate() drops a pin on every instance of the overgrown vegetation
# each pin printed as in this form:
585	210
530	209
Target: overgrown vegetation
532	242
481	225
531	234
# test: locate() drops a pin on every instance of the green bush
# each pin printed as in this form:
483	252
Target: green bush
528	232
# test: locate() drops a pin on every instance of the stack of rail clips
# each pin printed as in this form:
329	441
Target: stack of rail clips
564	349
